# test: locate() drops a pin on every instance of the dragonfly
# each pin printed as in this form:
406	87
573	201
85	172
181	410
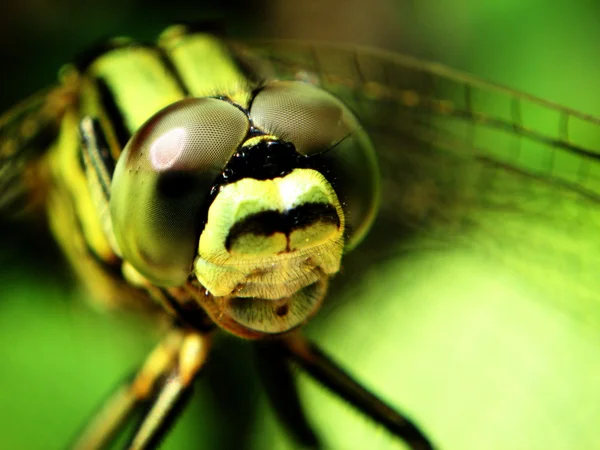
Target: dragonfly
417	144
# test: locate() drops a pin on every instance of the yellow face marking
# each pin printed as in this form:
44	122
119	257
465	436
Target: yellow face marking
247	197
268	265
253	245
314	235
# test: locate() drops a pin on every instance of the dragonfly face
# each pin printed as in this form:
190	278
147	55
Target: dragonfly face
241	185
245	198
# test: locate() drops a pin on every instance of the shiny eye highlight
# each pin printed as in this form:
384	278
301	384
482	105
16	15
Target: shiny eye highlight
166	150
162	181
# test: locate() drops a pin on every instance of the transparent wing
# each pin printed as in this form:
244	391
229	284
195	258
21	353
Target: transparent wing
26	132
470	164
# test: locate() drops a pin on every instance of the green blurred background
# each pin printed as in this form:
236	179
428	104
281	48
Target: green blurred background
473	349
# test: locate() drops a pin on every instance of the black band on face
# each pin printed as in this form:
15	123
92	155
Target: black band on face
268	223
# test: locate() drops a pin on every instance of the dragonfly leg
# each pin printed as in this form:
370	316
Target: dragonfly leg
163	383
329	374
280	386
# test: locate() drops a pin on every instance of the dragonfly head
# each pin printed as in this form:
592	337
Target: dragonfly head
256	202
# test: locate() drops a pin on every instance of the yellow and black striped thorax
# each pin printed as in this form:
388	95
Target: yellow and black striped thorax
204	165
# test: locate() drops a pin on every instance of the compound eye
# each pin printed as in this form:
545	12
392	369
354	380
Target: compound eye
162	182
310	118
321	127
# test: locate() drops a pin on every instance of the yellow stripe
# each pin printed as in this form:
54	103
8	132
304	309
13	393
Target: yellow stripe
67	171
205	66
139	82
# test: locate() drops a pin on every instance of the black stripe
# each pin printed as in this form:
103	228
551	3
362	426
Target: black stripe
267	223
246	66
103	155
95	154
113	269
110	107
171	69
